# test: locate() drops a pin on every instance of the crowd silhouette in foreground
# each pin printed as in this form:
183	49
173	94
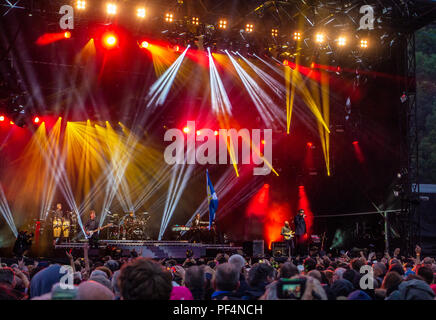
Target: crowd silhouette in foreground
224	277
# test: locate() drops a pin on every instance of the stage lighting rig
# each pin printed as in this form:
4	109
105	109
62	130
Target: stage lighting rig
249	27
110	40
274	33
297	36
111	8
222	24
364	43
342	41
320	38
169	17
81	5
141	13
144	44
195	21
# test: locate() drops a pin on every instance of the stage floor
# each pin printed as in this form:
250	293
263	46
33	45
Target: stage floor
161	249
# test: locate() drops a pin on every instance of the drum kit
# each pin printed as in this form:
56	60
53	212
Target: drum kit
128	227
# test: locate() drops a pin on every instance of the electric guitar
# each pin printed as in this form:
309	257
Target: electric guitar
289	235
90	233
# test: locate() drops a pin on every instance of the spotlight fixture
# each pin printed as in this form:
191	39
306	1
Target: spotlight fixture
111	8
81	5
215	132
36	120
342	41
141	13
222	24
2	118
169	17
274	32
67	34
144	44
186	129
109	40
320	38
195	21
364	43
198	132
249	27
297	35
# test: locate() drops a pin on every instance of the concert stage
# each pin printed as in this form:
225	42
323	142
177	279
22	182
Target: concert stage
318	115
160	249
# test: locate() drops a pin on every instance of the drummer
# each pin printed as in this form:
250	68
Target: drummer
61	224
57	220
130	218
127	222
58	213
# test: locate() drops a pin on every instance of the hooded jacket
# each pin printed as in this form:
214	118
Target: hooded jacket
43	281
412	290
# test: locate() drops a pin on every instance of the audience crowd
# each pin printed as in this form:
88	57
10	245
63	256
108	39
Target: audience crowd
355	275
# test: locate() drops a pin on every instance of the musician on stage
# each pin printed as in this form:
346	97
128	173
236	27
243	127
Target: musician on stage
92	225
197	221
128	223
196	228
130	219
300	232
57	220
287	234
58	213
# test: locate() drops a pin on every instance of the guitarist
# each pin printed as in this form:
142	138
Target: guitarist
287	233
92	225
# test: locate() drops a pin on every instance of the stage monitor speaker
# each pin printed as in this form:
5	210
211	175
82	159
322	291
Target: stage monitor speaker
258	248
279	249
254	248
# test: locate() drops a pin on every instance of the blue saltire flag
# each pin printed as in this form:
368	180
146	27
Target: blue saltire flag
212	199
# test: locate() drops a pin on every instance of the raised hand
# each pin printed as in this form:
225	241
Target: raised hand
307	295
21	264
180	271
69	255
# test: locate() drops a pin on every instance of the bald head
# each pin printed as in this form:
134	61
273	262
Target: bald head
92	290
